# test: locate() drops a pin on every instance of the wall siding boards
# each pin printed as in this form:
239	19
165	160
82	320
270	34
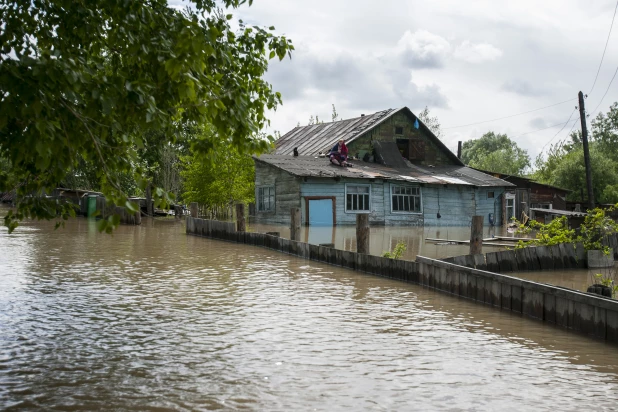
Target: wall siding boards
456	203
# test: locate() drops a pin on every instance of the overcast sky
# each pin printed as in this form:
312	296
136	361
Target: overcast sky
467	61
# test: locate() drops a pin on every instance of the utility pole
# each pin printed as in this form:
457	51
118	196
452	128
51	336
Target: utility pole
582	118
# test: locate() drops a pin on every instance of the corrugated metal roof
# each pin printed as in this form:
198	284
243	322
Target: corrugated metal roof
310	140
310	166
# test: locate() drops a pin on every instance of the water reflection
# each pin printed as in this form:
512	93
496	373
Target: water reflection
152	319
385	238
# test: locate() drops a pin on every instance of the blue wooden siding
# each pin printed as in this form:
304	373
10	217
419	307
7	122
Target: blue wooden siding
456	203
485	205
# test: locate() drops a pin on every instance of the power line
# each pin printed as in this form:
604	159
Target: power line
561	129
605	94
508	117
544	128
605	49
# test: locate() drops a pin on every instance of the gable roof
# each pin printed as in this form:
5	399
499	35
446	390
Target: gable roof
310	166
313	139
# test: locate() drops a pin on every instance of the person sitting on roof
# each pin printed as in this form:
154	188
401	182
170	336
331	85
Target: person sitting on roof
339	152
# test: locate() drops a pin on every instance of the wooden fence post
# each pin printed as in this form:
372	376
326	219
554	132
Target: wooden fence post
241	224
149	205
476	235
295	224
193	207
362	233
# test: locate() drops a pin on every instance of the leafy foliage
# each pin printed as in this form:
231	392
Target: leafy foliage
396	253
595	227
227	178
564	163
433	123
553	233
82	81
607	280
495	153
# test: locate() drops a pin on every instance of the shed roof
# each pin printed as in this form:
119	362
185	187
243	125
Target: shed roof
559	212
316	138
311	166
513	178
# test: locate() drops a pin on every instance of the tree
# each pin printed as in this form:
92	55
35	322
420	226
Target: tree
570	173
431	122
216	184
495	153
605	131
564	164
334	115
84	80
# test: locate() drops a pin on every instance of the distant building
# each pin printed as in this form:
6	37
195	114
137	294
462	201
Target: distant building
528	194
402	174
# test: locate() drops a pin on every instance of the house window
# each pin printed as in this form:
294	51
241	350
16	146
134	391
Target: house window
490	195
266	199
398	130
406	199
357	198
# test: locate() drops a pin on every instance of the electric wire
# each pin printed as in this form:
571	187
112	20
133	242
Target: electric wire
605	49
508	117
544	128
605	94
561	129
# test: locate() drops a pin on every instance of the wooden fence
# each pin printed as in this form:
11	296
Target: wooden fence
586	313
562	256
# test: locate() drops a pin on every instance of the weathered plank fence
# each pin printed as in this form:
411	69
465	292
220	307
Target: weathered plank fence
533	258
586	313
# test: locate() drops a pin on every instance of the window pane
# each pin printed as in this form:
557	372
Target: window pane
348	205
355	202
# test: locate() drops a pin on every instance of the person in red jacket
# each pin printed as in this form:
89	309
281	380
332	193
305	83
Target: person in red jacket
339	152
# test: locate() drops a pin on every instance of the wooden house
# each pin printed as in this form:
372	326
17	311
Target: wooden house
528	194
402	175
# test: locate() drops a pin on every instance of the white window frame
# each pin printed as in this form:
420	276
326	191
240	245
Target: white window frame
509	197
420	199
346	198
257	198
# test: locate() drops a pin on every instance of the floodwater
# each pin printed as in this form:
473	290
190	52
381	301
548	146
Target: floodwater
385	238
578	279
152	319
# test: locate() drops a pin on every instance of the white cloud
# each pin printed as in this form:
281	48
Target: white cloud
431	53
476	53
423	49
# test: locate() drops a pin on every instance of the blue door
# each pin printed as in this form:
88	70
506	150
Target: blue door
321	212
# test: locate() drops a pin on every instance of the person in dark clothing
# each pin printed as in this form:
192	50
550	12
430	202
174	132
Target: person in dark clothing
339	153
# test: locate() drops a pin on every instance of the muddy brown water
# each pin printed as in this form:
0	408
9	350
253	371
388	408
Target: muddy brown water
385	238
152	319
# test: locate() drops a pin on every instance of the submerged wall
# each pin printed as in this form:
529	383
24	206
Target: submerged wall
586	313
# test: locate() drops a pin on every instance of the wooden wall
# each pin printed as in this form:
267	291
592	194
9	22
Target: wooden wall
431	153
457	203
287	189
